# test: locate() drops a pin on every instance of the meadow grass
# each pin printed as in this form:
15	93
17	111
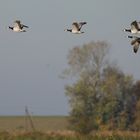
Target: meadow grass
41	123
54	128
45	136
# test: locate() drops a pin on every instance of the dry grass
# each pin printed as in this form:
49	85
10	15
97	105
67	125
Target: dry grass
45	123
65	135
54	128
118	133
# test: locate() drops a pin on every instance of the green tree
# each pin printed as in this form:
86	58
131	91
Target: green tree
118	101
102	94
88	63
136	108
82	106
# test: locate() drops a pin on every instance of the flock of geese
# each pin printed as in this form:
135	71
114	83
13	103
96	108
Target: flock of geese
76	29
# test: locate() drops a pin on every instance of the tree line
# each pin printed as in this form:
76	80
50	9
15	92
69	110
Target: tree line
102	96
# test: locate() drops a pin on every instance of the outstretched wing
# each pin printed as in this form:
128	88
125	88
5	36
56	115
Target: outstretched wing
22	25
135	48
81	24
17	24
134	25
75	26
135	43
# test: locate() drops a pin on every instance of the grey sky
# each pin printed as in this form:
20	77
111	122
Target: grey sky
31	62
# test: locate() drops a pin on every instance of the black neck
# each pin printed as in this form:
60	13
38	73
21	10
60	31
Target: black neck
69	30
127	30
130	36
11	28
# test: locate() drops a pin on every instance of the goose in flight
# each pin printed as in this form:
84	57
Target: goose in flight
135	28
18	27
135	43
76	27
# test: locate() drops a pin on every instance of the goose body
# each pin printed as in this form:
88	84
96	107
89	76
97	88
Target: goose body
135	28
76	28
18	27
135	43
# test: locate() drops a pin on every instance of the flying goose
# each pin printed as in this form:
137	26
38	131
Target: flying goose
135	43
18	27
134	28
76	27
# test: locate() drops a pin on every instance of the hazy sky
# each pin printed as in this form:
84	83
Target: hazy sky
31	62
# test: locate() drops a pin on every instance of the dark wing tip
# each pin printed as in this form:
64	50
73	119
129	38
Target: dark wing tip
26	26
135	50
83	23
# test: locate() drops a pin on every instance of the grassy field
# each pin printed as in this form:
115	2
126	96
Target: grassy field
41	123
45	136
54	128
